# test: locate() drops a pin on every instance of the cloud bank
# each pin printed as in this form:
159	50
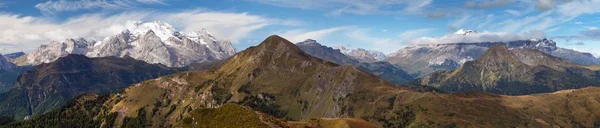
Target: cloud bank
476	38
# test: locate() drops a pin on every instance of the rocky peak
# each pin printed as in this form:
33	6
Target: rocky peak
279	44
153	42
465	32
161	29
499	57
309	41
274	50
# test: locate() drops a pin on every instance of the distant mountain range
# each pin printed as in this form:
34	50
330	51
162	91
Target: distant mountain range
362	54
382	69
153	42
278	79
421	60
514	72
15	55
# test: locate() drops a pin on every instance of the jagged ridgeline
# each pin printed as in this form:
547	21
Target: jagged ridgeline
421	60
277	79
382	69
514	72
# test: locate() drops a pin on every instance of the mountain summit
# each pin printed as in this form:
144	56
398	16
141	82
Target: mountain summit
153	42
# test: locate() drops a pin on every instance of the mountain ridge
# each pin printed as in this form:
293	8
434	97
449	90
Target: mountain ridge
49	86
287	84
420	60
502	72
153	42
382	69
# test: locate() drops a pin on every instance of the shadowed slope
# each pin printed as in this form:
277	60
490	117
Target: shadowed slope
49	86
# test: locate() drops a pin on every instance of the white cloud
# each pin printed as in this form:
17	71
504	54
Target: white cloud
26	33
52	7
233	26
576	8
299	35
411	34
386	45
475	38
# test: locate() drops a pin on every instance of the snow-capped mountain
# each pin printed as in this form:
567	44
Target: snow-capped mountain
420	60
5	64
465	32
153	42
362	55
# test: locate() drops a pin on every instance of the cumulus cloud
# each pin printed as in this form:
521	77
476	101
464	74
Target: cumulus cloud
26	32
386	45
476	38
299	35
52	7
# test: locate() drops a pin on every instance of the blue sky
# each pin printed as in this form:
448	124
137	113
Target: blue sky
383	25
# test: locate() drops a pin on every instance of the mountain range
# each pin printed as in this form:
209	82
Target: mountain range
153	42
362	54
514	72
49	86
420	60
152	75
278	79
382	69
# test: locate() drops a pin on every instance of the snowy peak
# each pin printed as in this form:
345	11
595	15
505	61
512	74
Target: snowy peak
362	54
153	42
465	32
309	41
161	29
